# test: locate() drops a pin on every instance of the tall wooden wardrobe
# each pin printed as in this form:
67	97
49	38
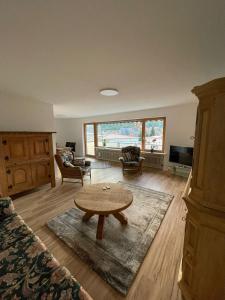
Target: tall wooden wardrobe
203	263
26	161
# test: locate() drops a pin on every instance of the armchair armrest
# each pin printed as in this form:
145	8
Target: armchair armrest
74	169
6	207
77	167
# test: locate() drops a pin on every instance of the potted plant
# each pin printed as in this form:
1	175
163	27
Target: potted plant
153	146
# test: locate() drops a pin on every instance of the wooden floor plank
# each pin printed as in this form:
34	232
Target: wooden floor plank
157	277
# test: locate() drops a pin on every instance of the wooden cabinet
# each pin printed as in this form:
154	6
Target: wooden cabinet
203	263
26	161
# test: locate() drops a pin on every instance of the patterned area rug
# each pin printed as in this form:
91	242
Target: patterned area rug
119	255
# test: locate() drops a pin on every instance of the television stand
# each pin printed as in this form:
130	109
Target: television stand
180	170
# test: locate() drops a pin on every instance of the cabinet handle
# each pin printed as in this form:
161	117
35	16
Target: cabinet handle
49	176
10	186
4	142
183	219
46	140
47	153
8	172
6	157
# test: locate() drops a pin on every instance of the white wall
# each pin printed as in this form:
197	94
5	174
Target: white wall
70	130
180	125
19	113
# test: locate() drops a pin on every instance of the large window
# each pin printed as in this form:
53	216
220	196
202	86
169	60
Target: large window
119	134
148	134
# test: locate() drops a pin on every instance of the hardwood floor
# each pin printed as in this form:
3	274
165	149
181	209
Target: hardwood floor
157	277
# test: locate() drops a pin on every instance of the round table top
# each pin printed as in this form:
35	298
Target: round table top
103	198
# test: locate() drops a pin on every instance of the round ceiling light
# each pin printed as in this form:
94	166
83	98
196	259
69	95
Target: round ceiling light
109	92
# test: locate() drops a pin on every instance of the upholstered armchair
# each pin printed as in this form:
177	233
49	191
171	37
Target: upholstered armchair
131	159
69	170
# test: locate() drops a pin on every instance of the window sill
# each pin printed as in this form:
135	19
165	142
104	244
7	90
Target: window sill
143	152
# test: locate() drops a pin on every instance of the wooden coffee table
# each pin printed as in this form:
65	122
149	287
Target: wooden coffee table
94	199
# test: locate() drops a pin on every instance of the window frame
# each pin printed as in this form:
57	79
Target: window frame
143	138
163	136
85	139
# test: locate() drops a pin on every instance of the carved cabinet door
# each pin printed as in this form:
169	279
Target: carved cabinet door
18	178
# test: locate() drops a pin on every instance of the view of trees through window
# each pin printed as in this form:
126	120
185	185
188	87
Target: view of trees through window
147	134
154	134
119	134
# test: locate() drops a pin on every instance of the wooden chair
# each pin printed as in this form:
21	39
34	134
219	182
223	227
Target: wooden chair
131	159
69	172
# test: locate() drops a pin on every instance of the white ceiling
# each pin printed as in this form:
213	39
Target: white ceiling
152	51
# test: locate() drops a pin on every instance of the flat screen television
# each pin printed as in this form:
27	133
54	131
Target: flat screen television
181	155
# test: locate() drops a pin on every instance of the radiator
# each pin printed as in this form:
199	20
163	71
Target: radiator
153	160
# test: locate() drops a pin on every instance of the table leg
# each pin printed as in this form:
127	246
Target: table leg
99	234
121	217
87	216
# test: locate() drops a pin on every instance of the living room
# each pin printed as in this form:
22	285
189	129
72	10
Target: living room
112	150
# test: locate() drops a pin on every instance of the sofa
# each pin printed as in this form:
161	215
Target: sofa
27	269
